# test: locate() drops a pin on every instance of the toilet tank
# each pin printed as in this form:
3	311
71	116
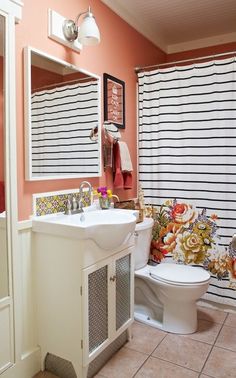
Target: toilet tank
143	237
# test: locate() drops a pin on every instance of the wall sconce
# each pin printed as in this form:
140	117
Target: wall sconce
87	33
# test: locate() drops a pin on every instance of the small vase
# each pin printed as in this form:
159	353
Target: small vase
104	203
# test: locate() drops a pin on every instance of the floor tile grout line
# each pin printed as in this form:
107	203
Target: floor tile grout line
150	355
140	366
187	336
207	375
159	343
226	318
135	350
226	349
222	325
173	363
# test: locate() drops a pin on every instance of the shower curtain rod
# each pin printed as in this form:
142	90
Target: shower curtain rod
138	69
62	83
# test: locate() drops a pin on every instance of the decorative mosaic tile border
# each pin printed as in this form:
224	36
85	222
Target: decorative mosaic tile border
55	202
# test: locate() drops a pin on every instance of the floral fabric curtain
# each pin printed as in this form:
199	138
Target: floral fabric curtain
187	167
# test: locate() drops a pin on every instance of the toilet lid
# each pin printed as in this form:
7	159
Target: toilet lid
182	274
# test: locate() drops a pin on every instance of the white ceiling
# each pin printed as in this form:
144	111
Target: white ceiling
179	25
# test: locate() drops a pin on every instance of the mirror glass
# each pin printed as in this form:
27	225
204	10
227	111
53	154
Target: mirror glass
4	290
62	109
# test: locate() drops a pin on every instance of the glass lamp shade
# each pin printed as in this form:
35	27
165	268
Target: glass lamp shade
88	32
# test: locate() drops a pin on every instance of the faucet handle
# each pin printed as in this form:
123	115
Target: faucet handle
68	206
81	205
74	203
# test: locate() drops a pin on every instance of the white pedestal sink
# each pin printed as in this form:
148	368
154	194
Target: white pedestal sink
107	228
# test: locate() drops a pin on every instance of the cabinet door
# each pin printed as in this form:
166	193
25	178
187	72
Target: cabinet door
98	307
107	302
95	310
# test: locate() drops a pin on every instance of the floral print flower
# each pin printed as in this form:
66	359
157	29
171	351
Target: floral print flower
204	231
192	247
214	217
232	270
182	213
157	250
169	235
219	265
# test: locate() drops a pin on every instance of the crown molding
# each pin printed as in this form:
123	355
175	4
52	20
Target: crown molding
201	43
13	7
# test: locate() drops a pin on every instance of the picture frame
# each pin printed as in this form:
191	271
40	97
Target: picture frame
114	100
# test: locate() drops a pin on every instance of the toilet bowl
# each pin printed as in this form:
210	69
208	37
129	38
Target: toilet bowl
165	294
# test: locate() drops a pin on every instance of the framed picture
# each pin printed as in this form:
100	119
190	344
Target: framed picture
114	100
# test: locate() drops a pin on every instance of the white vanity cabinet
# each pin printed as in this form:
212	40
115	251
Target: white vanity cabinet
84	297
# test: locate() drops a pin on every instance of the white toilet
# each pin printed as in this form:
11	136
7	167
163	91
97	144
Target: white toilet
165	294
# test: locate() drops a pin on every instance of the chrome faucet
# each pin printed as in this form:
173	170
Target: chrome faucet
82	185
85	183
74	205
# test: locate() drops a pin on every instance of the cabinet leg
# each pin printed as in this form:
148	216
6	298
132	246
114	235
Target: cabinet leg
81	371
43	356
129	334
84	371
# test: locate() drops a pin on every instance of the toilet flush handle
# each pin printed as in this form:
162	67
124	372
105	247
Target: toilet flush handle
136	234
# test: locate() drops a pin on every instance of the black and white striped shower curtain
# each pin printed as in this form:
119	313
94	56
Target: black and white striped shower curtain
187	166
62	119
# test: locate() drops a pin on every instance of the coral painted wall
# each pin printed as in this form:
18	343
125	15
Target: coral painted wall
121	49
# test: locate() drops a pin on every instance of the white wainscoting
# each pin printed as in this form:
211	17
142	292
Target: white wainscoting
29	344
29	337
6	358
27	364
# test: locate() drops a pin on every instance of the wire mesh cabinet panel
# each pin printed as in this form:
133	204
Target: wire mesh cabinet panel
97	308
123	292
107	302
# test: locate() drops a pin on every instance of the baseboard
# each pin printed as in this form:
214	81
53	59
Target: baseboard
26	368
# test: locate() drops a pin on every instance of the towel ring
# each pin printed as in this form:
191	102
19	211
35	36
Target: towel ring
94	134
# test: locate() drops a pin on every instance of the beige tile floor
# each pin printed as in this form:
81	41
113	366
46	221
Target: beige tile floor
210	352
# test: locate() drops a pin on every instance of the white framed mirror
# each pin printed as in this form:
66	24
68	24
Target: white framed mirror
62	108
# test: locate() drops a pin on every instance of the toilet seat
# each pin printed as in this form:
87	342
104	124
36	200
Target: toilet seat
176	274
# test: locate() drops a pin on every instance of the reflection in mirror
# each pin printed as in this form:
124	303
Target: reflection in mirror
62	108
3	235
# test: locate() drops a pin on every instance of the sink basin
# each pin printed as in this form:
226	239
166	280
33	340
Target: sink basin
107	228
